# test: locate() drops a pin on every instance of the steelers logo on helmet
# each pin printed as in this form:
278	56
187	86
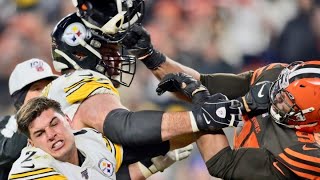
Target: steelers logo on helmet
75	33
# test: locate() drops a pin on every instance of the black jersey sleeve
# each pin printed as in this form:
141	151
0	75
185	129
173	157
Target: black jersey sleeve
231	85
237	85
247	163
11	141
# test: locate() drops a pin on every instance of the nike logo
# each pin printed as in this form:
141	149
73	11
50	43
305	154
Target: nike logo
260	95
32	166
305	148
205	118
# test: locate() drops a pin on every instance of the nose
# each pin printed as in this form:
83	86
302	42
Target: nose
51	134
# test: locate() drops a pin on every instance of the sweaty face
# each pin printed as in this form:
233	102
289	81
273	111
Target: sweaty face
52	133
282	103
36	89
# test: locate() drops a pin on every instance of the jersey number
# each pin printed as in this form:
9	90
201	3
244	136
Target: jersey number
29	155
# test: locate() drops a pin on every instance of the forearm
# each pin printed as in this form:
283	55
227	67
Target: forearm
246	163
135	172
170	66
175	124
210	144
184	140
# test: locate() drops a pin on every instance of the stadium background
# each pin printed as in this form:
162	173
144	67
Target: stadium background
208	35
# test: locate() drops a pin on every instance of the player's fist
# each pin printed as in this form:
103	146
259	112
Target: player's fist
257	99
215	113
137	41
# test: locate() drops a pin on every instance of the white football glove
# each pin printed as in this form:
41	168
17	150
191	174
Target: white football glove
160	163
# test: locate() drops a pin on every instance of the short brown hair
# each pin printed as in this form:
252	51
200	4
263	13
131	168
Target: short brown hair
33	109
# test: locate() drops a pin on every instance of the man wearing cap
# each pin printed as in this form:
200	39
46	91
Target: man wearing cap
26	82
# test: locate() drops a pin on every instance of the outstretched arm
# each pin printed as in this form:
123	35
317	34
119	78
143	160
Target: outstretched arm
244	163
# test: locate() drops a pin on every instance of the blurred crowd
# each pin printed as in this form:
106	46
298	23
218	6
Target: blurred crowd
208	35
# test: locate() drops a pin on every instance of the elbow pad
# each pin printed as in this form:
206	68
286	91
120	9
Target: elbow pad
133	128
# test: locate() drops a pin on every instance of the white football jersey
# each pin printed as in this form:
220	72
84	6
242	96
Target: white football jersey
73	88
102	160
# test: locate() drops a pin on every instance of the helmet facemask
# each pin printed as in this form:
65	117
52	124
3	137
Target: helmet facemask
75	47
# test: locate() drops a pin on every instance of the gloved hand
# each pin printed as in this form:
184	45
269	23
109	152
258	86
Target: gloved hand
215	113
257	99
160	163
184	83
138	43
163	162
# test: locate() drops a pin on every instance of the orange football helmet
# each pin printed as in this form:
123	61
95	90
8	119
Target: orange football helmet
295	97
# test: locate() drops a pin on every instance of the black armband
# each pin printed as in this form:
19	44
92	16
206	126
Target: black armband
154	60
133	128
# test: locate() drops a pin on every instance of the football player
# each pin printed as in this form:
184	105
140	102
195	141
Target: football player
92	68
26	81
280	130
56	152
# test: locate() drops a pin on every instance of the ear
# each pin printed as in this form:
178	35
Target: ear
68	119
30	142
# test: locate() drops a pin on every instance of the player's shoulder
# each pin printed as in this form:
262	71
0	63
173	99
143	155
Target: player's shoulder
268	72
34	163
88	135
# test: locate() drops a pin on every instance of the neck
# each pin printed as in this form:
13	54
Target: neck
74	158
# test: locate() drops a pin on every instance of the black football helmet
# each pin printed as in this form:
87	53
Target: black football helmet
75	47
110	18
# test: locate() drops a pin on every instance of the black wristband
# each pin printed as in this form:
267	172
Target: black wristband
154	60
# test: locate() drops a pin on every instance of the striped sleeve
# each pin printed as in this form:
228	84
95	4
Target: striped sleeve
303	160
87	86
42	173
116	150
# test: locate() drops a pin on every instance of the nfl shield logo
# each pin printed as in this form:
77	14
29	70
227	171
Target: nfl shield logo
106	167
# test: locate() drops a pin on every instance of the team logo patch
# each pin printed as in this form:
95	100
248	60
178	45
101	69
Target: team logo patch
106	167
73	33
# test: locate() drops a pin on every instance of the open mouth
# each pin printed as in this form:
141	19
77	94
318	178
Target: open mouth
57	145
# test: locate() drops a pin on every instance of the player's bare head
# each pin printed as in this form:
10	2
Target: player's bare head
295	97
111	18
74	46
33	109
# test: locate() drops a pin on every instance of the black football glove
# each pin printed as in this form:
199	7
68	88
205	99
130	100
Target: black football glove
138	43
184	83
257	99
216	113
